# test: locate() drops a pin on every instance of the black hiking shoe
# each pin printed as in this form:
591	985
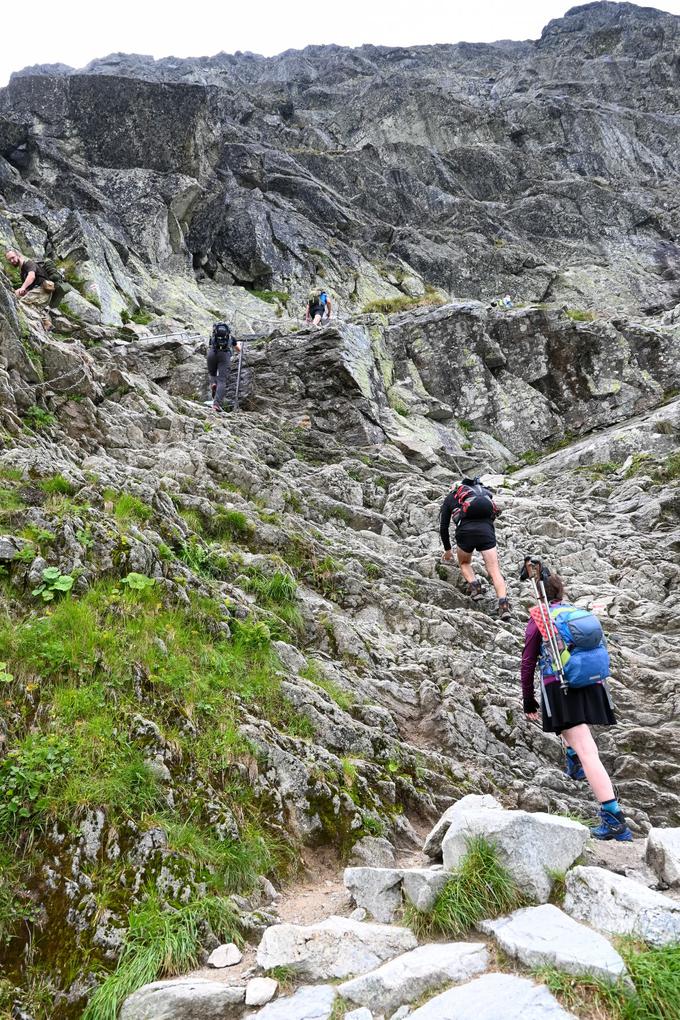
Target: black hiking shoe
475	590
504	609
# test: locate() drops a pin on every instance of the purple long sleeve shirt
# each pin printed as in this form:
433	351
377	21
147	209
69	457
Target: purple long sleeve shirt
530	656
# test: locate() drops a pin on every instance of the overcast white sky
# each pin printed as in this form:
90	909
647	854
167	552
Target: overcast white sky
75	31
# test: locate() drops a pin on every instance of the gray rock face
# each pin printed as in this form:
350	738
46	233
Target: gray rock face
433	842
546	936
528	845
311	1002
372	852
663	854
335	948
422	971
182	999
491	997
619	906
422	886
376	889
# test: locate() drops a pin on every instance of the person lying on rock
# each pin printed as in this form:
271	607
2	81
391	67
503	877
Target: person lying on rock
318	304
222	343
473	510
569	711
36	288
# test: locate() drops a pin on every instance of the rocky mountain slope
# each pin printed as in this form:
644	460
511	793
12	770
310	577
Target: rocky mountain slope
228	640
547	168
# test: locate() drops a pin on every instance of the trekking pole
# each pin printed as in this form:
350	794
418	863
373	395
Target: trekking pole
238	374
534	574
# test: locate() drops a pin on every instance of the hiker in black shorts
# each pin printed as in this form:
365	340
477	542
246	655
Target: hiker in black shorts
473	510
318	305
221	345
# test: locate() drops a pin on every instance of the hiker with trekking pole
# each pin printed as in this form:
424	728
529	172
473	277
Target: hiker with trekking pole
472	508
567	644
220	347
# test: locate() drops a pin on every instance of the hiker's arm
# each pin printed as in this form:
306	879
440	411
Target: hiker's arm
445	523
530	655
307	314
26	285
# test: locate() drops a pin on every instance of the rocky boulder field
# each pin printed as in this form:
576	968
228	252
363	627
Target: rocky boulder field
260	754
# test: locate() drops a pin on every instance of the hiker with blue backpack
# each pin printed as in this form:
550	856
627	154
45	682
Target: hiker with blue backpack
318	305
567	644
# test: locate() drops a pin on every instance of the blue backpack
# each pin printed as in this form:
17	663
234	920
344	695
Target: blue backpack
584	656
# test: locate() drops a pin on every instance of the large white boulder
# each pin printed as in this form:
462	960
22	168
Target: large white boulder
663	855
182	999
529	844
335	948
494	997
422	886
433	843
227	955
546	936
617	905
376	889
423	970
311	1002
260	990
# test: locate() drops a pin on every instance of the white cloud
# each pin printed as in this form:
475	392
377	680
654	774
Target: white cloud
74	31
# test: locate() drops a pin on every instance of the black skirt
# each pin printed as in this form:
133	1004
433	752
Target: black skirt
579	705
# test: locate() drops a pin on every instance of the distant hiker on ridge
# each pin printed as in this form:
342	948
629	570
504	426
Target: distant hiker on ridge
318	303
36	288
575	699
472	508
221	344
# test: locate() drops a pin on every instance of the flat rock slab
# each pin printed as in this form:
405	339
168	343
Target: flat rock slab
423	970
617	905
663	855
372	851
494	997
335	948
422	886
529	844
311	1002
376	889
433	843
546	936
182	999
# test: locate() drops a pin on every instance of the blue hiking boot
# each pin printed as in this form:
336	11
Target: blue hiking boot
574	769
612	826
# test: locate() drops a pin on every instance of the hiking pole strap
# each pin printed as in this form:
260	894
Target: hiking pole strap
238	374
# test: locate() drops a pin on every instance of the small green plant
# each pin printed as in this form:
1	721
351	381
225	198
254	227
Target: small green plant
230	524
285	976
141	317
559	888
401	303
5	677
38	418
399	407
10	501
57	485
28	777
53	583
480	887
128	508
138	582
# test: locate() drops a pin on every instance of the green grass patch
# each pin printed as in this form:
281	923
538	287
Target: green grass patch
232	525
480	887
402	303
127	508
38	418
162	941
669	470
10	474
10	500
272	297
57	485
578	315
655	974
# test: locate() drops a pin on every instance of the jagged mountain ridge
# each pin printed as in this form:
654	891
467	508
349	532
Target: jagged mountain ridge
548	168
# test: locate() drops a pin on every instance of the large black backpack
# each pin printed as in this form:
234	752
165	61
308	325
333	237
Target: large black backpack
221	336
474	502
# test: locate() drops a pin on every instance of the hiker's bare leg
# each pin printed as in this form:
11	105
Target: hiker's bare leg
581	740
317	319
464	562
490	557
